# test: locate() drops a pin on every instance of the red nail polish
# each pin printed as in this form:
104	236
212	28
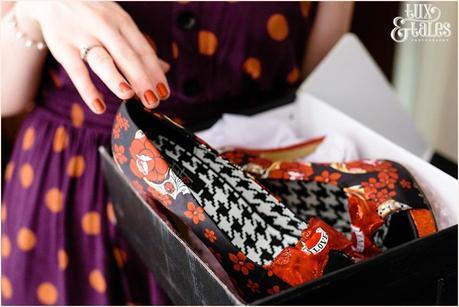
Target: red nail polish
99	106
162	90
124	87
150	97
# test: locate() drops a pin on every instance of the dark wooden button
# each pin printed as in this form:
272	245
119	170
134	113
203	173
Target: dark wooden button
186	20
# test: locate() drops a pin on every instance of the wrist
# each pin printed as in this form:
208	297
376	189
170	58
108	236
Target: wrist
27	22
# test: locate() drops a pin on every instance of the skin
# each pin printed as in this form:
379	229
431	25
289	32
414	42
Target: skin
126	57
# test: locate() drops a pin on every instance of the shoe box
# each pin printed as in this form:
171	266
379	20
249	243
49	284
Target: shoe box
419	272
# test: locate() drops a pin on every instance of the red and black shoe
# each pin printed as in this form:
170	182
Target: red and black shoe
261	243
376	202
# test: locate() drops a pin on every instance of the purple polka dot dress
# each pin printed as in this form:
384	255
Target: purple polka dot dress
60	243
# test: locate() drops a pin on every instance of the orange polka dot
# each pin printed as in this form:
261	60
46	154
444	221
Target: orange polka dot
3	212
7	289
293	76
277	27
91	223
76	166
252	67
26	239
60	139
62	259
120	256
6	246
111	213
47	293
305	7
175	51
26	175
77	115
97	281
151	42
28	139
207	42
9	171
54	200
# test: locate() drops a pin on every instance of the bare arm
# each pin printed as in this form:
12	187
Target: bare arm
333	19
21	66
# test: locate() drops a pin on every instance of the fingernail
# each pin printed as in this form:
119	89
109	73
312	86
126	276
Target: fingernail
162	90
99	106
150	97
124	87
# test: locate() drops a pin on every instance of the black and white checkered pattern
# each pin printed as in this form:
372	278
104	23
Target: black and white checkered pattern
255	221
309	199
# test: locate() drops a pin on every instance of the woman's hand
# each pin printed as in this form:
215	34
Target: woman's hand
125	62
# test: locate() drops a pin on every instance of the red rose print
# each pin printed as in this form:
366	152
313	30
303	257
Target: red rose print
253	286
405	184
327	177
240	263
194	213
118	151
146	161
210	235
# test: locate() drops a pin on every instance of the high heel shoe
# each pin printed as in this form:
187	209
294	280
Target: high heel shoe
263	245
376	202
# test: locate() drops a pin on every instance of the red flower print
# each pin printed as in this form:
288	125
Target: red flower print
216	254
169	187
120	123
384	195
137	186
274	290
118	151
382	165
210	235
292	171
240	263
327	177
388	168
194	213
165	200
371	187
253	286
387	179
146	161
405	184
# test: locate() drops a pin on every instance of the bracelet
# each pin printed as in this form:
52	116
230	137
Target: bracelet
13	24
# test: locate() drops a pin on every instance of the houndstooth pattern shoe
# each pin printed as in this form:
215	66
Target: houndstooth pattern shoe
376	203
263	245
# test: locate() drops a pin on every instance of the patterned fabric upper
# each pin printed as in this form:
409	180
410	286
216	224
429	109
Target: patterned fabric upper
222	55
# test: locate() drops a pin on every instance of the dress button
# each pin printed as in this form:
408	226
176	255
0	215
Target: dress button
191	87
186	20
